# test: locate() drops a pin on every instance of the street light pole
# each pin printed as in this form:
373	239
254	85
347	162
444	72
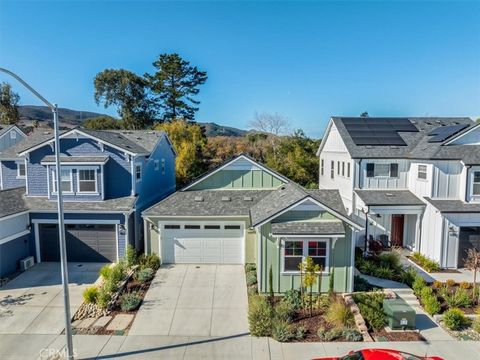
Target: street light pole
61	227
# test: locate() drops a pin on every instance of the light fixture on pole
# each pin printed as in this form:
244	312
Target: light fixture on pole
61	227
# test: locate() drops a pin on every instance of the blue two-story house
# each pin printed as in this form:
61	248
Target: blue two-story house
107	179
12	166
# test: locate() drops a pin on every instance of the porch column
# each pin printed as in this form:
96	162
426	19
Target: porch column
418	225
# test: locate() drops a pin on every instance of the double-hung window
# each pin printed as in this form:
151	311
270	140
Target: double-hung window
343	168
295	251
338	167
332	169
422	172
476	183
322	165
163	166
21	171
87	181
65	180
138	172
348	170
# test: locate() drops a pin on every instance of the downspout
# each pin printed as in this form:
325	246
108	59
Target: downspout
366	228
467	183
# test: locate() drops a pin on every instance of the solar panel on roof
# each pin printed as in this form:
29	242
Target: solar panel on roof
378	131
444	132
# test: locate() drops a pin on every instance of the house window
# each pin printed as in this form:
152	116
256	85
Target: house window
212	227
192	227
13	135
422	172
21	171
293	255
163	166
296	250
338	167
87	181
343	168
172	226
138	172
476	183
332	169
156	164
382	170
322	163
232	227
348	169
65	180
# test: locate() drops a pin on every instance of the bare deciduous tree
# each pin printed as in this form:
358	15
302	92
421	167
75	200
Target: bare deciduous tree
472	263
275	124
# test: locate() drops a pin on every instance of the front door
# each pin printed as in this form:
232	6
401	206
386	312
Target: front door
397	230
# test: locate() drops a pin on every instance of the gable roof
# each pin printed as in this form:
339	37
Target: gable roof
4	129
33	137
417	143
133	142
229	162
290	195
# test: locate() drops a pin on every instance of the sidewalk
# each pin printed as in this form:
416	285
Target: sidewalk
241	347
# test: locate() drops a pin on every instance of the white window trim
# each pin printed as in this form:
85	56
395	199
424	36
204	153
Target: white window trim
13	135
305	240
156	165
54	175
381	176
78	182
474	183
163	166
18	170
135	174
423	172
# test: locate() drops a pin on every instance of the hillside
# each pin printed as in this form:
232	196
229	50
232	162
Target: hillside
70	117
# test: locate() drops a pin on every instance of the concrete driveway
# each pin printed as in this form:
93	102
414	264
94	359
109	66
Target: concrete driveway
194	300
32	303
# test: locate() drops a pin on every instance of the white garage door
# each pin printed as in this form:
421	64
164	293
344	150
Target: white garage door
202	243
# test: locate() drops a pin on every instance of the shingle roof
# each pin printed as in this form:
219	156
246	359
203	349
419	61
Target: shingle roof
388	197
76	159
308	228
454	206
290	194
4	129
33	137
418	146
135	141
12	201
213	203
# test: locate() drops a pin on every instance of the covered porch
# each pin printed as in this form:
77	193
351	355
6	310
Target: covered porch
392	219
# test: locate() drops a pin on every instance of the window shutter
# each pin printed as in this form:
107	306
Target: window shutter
393	170
370	169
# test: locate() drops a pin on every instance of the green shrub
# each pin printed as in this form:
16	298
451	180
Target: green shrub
418	285
333	334
352	335
252	291
360	284
144	275
371	308
103	298
118	272
390	259
431	304
282	331
105	272
426	291
151	261
384	272
284	311
250	267
321	333
450	283
130	301
455	319
476	324
324	302
339	314
251	279
110	286
459	298
90	294
368	267
428	264
294	298
300	332
131	256
260	315
408	276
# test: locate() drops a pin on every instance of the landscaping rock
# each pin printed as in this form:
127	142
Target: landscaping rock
120	322
88	310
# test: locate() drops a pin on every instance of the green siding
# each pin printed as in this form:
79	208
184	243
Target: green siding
238	179
251	247
339	261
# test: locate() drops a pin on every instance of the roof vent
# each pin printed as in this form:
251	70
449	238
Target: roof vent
139	138
198	198
393	147
389	195
247	198
226	198
369	147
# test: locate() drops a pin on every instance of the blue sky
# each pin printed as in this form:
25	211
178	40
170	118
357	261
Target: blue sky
305	60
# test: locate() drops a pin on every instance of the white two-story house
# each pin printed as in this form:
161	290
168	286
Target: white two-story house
414	182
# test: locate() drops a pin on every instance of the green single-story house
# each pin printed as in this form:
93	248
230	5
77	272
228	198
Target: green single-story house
243	212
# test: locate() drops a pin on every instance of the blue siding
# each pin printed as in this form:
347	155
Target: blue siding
37	173
12	252
9	175
6	141
118	178
75	196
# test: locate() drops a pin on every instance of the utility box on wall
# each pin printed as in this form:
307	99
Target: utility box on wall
400	315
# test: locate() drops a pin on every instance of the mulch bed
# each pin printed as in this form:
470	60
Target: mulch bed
442	271
444	306
384	335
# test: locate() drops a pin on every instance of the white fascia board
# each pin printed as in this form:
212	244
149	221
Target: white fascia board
324	138
14	215
309	198
14	236
279	177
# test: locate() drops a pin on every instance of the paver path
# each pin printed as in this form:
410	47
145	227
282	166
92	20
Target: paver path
194	300
427	326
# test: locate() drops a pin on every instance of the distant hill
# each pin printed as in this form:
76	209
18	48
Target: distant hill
76	117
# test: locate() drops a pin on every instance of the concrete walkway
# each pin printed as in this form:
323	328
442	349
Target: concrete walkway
238	347
427	326
194	300
32	303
